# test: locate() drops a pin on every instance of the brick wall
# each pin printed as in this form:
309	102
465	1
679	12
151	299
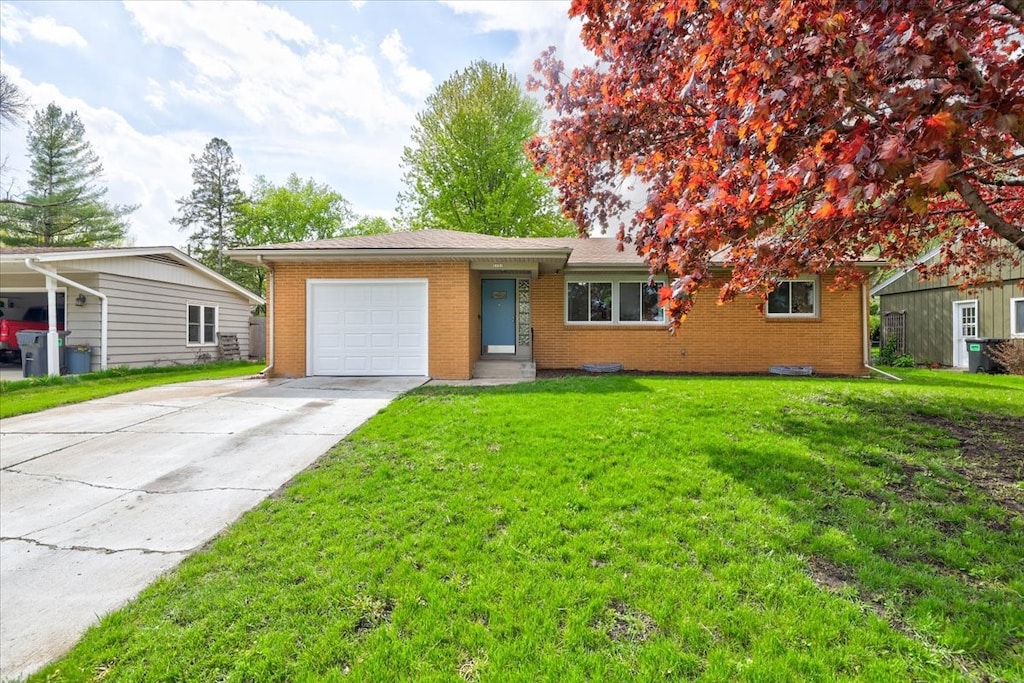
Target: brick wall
449	295
730	338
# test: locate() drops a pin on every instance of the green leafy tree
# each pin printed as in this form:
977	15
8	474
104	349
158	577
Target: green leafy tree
212	210
64	205
296	211
467	169
371	225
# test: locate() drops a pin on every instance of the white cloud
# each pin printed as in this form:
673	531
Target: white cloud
15	25
520	16
269	66
151	171
414	82
357	4
155	95
537	23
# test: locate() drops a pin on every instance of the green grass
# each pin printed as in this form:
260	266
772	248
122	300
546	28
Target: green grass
19	397
617	528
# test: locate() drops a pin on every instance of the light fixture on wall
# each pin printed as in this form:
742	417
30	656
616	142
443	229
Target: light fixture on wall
80	300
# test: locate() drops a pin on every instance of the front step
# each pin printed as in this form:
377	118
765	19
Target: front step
505	369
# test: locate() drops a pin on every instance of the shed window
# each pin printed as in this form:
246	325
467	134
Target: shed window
202	324
1017	317
794	298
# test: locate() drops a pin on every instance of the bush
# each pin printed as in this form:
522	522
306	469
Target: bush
1009	354
887	355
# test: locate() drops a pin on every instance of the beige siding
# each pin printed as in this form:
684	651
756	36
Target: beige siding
147	321
155	268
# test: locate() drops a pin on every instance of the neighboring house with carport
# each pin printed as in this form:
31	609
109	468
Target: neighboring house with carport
134	306
455	305
937	317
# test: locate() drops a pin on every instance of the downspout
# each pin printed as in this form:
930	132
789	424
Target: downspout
51	341
265	372
866	308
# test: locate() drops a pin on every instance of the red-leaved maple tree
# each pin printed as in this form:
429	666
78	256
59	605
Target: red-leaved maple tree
792	136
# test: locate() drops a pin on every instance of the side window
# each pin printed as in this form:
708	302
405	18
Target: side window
794	298
202	324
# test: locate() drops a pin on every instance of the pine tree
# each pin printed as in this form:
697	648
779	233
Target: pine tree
213	208
64	205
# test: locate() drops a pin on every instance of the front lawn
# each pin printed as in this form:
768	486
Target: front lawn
18	397
619	528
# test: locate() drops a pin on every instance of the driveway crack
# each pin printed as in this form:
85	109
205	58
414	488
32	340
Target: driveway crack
91	549
130	489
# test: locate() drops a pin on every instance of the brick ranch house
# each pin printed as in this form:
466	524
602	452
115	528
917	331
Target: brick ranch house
455	305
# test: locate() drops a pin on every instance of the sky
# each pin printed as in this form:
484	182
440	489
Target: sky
327	90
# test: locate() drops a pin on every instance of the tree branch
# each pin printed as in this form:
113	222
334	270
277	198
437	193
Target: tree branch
1015	6
1004	182
1014	234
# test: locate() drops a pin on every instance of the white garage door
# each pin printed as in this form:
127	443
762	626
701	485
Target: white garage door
367	327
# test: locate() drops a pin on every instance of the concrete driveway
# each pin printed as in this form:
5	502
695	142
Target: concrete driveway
100	498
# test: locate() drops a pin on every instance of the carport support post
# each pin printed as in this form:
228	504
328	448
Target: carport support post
52	351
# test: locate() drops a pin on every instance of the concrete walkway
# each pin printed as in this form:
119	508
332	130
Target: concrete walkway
100	498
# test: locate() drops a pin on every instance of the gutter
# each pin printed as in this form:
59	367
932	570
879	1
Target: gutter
867	340
53	363
271	302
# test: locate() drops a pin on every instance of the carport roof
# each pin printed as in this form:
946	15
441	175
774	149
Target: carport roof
14	258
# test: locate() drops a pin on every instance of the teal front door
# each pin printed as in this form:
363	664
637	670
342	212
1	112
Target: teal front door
498	316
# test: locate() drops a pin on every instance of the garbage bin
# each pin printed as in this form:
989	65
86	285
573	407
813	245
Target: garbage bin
978	357
34	352
79	359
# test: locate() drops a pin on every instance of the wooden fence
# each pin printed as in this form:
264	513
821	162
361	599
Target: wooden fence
257	338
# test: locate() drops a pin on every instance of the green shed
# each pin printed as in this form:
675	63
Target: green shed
937	316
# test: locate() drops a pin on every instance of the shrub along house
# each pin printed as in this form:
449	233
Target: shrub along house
133	306
456	305
937	317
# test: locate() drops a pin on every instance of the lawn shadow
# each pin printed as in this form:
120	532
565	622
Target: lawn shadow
904	512
568	384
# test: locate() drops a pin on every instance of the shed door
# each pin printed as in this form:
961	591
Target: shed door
367	327
965	326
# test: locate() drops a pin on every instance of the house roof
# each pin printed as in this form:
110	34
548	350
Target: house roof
55	255
449	245
408	245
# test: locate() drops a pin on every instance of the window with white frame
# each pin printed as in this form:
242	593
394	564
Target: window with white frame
202	324
620	300
1017	317
794	298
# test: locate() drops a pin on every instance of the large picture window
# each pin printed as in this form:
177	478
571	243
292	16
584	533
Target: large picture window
202	324
794	298
613	301
1017	317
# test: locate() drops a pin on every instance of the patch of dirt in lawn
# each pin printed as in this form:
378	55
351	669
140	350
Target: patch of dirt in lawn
829	575
837	578
992	448
623	623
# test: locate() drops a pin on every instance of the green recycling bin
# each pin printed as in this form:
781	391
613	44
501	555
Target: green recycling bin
978	357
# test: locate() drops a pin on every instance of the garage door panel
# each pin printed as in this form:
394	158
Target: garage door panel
368	328
356	317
